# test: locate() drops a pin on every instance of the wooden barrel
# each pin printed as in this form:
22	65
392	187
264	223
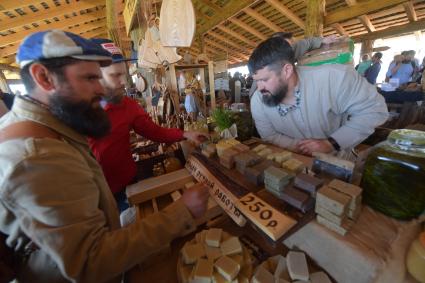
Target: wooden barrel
177	23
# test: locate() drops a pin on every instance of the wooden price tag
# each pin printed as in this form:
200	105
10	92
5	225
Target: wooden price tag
217	190
268	219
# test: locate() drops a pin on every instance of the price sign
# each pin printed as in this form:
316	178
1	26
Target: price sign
217	190
268	219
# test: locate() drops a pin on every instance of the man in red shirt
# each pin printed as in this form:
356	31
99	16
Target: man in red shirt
113	151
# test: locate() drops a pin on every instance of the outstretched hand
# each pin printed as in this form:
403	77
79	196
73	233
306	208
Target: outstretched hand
196	137
196	199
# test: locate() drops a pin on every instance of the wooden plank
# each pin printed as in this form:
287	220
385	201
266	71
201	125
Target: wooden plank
157	186
129	13
12	49
359	9
238	36
351	2
62	24
269	24
315	18
211	83
393	31
53	11
15	4
229	11
217	9
364	19
95	33
340	29
226	50
228	42
272	222
410	11
248	28
154	205
287	12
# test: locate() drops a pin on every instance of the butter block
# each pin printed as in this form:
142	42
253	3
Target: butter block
203	271
342	230
227	267
231	246
213	237
337	219
297	265
262	276
192	252
351	190
333	200
293	165
212	253
308	183
319	277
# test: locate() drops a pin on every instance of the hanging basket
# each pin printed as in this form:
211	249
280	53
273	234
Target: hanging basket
177	23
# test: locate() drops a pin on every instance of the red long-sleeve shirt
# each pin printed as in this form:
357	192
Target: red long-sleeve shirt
113	151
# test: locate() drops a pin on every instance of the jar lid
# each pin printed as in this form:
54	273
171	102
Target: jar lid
407	137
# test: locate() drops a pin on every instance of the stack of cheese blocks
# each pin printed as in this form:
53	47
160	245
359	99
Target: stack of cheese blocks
293	268
276	179
214	258
208	149
337	205
255	174
228	149
246	159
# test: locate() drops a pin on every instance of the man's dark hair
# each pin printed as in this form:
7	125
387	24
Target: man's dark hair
283	34
378	55
273	52
54	65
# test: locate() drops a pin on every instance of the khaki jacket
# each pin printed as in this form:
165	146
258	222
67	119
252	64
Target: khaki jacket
53	192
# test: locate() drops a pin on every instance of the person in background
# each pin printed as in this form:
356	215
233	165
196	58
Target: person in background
56	209
190	104
372	72
401	68
156	95
113	151
364	65
326	108
300	47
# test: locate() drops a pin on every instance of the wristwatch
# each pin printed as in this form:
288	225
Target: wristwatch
334	143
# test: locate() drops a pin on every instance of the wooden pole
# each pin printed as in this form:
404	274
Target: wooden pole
367	48
3	83
212	86
315	18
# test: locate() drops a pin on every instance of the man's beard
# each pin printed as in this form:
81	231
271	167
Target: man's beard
113	96
274	99
81	116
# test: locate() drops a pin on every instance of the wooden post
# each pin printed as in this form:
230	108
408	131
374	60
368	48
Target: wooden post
204	93
3	83
172	85
211	79
367	48
315	17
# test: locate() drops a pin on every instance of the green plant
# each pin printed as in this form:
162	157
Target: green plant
223	118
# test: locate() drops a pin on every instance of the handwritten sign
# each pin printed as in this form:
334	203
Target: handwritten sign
217	190
129	13
268	219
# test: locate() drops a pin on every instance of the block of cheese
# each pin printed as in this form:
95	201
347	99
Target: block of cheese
207	153
273	261
238	258
259	147
203	271
255	174
333	200
188	185
262	275
176	195
200	237
308	183
281	271
354	213
213	237
227	267
337	219
241	147
192	252
319	277
282	156
185	272
246	159
265	152
280	280
342	230
351	190
276	178
221	147
297	265
231	246
293	165
297	199
212	253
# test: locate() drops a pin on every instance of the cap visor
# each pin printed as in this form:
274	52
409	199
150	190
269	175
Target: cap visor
103	60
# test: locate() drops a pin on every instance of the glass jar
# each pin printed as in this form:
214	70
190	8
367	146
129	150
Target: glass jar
415	260
394	176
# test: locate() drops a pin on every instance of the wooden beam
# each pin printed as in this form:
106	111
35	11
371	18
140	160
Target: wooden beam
9	50
364	19
53	11
359	9
340	29
227	42
393	31
254	14
229	11
410	11
61	24
226	50
217	9
94	33
9	68
248	28
15	4
351	2
238	36
287	12
314	18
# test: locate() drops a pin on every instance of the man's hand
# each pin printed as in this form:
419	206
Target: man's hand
196	199
330	39
196	137
309	146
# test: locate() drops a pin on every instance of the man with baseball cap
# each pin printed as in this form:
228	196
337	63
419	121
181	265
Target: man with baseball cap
56	208
113	151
